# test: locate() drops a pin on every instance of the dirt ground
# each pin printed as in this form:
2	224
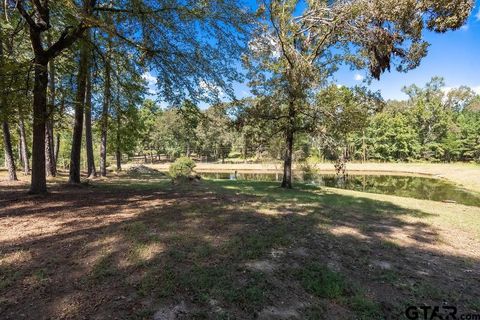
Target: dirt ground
142	248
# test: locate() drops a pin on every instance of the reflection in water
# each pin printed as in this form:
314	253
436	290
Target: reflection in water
404	186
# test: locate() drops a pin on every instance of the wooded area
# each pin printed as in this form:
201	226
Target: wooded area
74	74
204	159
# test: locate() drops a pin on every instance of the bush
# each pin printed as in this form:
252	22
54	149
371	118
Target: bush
181	168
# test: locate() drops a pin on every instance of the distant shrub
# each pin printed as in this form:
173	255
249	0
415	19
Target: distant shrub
308	171
181	168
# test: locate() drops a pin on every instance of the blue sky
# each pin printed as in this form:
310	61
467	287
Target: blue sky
455	56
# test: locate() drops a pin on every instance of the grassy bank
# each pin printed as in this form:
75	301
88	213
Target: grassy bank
463	174
135	247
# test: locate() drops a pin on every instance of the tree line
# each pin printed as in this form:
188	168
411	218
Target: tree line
432	125
62	61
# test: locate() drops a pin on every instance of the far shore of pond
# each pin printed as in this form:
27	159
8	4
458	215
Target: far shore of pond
465	175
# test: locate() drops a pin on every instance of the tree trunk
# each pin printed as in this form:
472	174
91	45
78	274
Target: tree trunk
9	158
91	172
74	176
19	151
364	148
7	141
57	149
57	138
104	120
51	167
245	151
23	146
187	153
39	181
118	152
118	156
287	164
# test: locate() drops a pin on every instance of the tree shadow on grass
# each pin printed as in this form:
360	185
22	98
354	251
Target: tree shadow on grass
222	250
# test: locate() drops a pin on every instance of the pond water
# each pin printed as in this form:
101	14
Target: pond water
404	186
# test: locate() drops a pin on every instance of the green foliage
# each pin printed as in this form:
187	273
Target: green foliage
432	125
391	137
296	49
215	133
181	168
173	131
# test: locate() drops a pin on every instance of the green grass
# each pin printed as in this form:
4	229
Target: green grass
255	245
364	308
140	184
203	251
198	246
207	283
104	269
316	312
424	290
136	231
474	305
388	276
387	244
319	280
8	276
304	194
321	208
40	274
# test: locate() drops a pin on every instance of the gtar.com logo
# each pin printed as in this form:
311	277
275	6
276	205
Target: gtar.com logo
437	313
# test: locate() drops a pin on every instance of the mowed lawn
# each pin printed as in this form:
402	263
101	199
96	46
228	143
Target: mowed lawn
142	248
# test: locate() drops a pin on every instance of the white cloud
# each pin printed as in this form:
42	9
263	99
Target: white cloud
446	90
265	43
358	77
475	89
244	93
151	82
149	77
211	88
478	15
464	27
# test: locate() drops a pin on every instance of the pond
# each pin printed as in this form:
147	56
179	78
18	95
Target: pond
404	186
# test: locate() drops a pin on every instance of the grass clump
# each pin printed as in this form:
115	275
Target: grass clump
255	245
40	274
136	230
251	293
103	269
322	282
364	308
162	283
8	276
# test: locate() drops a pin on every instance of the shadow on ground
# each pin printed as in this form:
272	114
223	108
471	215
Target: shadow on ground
219	250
